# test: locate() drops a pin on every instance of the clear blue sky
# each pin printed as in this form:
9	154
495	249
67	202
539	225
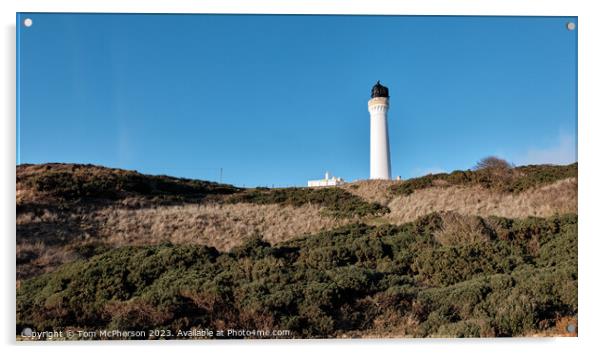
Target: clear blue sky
278	100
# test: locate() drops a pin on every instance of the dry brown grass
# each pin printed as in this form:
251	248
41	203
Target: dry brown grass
220	226
47	239
461	229
556	198
36	258
377	191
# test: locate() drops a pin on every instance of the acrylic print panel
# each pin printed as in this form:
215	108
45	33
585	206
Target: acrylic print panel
286	176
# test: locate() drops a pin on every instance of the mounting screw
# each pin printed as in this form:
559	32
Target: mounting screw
570	26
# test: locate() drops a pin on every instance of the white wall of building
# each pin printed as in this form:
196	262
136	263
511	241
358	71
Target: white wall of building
326	181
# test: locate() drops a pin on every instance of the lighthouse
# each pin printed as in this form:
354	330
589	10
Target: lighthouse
378	106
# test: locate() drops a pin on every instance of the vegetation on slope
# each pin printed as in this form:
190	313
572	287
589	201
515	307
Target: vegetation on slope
63	207
499	177
75	181
505	278
47	239
336	201
559	197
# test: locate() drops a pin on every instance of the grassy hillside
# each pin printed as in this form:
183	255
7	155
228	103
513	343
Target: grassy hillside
337	202
503	278
76	182
490	252
94	184
509	180
64	210
558	197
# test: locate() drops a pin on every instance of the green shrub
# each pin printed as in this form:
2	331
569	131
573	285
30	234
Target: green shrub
325	284
336	201
88	181
465	329
447	265
506	180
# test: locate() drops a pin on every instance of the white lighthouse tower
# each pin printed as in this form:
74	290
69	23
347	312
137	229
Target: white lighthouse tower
378	106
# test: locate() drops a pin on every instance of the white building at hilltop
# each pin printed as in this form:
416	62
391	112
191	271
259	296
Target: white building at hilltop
326	181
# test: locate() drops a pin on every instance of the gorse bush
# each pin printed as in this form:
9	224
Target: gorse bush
495	174
521	279
336	201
